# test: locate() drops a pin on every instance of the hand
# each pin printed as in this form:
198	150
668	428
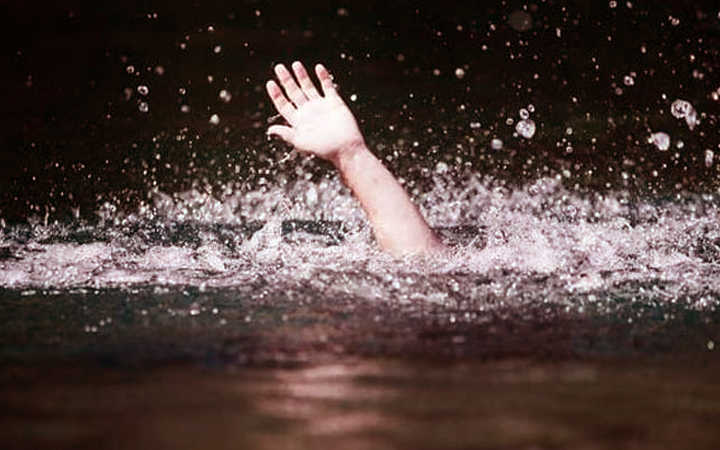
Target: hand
321	125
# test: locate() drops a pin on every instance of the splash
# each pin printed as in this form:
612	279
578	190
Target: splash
540	243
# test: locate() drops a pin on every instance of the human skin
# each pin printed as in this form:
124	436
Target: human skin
320	123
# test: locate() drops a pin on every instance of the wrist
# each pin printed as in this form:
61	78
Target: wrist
348	153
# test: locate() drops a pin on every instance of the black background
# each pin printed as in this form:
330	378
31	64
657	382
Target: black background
70	139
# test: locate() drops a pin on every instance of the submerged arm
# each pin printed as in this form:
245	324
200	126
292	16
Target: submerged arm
323	125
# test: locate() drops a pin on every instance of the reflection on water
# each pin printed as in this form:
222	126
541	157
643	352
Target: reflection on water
359	404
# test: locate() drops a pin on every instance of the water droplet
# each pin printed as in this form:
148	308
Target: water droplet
353	97
214	119
143	107
682	109
526	128
709	157
143	90
524	114
225	96
496	144
520	21
660	140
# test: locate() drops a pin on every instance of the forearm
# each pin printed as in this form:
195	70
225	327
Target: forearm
398	225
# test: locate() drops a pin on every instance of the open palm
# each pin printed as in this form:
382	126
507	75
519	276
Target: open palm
319	124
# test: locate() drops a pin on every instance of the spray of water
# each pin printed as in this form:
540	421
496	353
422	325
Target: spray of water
540	243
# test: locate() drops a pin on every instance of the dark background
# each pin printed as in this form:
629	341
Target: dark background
71	139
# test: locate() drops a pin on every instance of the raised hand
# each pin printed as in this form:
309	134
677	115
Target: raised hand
319	124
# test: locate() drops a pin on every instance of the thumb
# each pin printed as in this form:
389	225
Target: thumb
286	133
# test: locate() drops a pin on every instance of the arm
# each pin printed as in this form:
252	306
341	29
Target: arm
324	126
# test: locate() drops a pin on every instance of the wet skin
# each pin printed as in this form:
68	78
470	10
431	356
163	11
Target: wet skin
323	125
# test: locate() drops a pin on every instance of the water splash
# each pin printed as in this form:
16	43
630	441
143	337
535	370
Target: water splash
540	243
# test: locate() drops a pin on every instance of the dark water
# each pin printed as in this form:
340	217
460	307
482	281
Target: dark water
170	282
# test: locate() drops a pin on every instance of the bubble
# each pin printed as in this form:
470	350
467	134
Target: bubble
460	73
613	4
217	49
569	131
628	80
143	107
709	157
182	91
214	119
660	140
184	109
143	90
343	12
525	128
130	69
524	114
496	144
531	108
353	97
225	96
159	70
674	21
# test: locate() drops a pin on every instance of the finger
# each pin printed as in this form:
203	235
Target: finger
285	133
305	82
290	86
325	80
283	106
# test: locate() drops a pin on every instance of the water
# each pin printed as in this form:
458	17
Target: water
170	278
